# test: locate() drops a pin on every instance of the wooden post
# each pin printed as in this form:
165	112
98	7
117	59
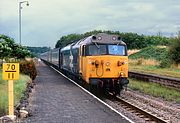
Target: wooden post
11	96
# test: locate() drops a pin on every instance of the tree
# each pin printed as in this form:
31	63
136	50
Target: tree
37	50
20	52
133	40
9	49
65	40
5	46
178	34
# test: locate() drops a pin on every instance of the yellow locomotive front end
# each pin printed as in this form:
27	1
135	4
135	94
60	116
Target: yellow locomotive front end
107	66
104	63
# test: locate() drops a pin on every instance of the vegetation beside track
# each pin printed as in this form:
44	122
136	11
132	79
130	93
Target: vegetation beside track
19	88
152	52
155	89
13	52
28	73
154	60
171	72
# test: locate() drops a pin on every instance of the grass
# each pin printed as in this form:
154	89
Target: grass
19	88
152	52
155	60
155	90
151	66
132	51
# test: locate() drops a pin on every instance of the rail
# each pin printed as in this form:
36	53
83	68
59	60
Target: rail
167	81
147	116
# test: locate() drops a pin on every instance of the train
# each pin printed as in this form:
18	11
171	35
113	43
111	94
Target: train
99	60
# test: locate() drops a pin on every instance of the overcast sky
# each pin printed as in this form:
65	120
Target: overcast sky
45	21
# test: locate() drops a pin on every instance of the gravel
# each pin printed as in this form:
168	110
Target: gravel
169	111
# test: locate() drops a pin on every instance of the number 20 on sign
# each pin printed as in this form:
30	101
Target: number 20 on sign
10	71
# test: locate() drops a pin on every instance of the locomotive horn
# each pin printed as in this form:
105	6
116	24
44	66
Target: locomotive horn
94	37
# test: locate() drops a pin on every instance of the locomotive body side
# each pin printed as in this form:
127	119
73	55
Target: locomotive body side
55	56
69	57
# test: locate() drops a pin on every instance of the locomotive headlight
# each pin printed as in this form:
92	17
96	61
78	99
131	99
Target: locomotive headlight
108	64
125	62
99	38
113	38
121	74
90	61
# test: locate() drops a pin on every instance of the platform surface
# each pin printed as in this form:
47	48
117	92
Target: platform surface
56	100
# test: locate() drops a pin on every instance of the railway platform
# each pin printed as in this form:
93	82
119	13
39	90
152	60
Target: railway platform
57	100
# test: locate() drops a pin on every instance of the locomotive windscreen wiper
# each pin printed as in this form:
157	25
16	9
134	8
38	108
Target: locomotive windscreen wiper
97	45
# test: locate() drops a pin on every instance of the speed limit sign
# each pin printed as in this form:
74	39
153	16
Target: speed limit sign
10	71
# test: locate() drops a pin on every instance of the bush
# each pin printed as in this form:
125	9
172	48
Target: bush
160	54
28	68
140	61
174	50
165	63
151	52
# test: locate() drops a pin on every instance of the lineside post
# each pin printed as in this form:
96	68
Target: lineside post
11	97
11	73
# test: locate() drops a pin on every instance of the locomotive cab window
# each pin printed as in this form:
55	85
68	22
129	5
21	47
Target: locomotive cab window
116	50
97	49
104	49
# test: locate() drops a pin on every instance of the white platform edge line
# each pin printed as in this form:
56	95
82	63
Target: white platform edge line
93	96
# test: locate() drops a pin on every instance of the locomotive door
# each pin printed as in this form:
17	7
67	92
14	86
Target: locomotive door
81	60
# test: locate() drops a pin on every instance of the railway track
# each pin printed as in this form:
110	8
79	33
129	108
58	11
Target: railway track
145	115
167	81
148	117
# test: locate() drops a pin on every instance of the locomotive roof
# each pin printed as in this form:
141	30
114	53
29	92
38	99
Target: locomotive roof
100	38
66	47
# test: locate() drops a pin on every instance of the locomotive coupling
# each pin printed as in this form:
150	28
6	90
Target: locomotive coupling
124	82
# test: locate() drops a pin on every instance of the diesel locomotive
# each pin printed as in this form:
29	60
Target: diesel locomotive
99	60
